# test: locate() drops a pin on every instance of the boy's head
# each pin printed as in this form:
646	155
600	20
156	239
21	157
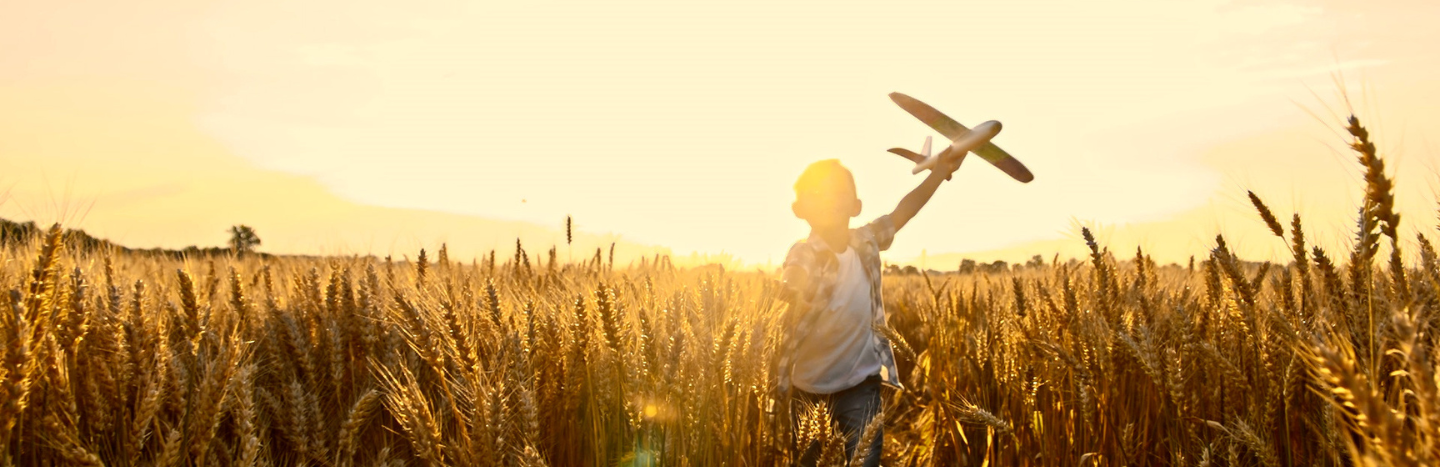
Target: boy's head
825	195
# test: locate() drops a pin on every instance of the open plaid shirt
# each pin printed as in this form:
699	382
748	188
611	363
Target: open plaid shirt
810	301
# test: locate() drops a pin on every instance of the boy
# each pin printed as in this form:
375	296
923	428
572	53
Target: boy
832	280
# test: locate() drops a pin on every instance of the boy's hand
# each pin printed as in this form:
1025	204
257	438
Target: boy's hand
948	166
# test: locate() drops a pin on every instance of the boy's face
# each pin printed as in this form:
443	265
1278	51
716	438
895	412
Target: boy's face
827	204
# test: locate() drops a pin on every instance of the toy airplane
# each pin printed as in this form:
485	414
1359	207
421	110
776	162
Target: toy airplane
962	140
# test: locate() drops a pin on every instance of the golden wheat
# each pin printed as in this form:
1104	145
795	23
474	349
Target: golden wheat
309	361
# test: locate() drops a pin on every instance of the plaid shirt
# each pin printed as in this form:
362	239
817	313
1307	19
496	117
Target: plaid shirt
813	259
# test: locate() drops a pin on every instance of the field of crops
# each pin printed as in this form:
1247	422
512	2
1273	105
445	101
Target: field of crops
130	359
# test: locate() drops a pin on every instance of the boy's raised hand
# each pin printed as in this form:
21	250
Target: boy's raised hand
949	165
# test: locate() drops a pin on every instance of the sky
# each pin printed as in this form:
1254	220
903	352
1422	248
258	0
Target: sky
358	126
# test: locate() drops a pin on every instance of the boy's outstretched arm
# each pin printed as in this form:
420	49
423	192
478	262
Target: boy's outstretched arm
911	203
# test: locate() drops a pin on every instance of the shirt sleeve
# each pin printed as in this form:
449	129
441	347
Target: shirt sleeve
798	269
881	231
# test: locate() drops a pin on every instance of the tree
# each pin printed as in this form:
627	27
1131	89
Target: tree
243	239
996	267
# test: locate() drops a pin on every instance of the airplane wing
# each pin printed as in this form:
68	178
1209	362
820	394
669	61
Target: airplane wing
952	129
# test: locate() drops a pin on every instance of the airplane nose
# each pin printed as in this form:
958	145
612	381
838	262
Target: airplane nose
990	127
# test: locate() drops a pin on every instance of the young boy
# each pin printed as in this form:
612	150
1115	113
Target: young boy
832	280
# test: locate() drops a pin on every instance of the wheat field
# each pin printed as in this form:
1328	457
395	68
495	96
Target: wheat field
133	359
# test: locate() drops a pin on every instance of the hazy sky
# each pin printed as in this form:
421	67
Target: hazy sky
683	124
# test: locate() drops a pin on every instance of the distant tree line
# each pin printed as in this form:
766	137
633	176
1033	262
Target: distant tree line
970	266
243	240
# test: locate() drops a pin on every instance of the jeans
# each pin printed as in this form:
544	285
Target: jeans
851	409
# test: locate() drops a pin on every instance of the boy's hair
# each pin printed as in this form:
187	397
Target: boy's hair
820	175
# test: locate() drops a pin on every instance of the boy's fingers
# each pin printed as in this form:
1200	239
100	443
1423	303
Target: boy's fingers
953	165
947	168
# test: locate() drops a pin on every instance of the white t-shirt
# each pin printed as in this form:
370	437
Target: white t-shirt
840	352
